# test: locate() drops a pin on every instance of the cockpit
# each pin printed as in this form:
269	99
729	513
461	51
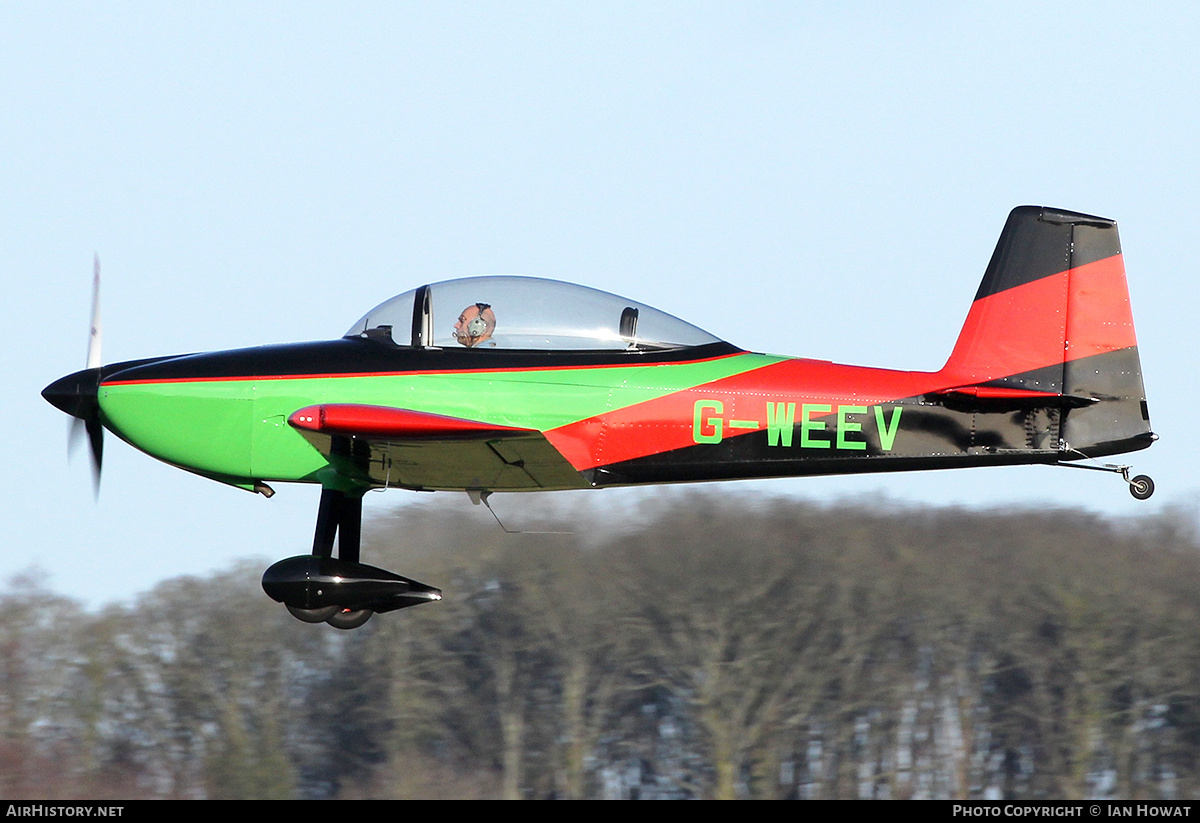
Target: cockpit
523	313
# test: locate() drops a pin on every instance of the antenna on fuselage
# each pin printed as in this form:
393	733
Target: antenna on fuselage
481	496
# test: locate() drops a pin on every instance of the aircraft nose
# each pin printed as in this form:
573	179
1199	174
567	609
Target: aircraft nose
175	411
74	394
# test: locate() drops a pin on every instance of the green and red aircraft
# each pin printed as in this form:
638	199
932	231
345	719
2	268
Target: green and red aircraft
493	384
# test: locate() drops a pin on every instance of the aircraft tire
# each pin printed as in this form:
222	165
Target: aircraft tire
349	619
1141	487
320	615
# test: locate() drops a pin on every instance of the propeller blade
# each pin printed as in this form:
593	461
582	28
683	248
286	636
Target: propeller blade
95	431
76	394
74	435
93	352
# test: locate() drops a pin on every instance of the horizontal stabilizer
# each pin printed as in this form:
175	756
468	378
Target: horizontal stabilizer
998	397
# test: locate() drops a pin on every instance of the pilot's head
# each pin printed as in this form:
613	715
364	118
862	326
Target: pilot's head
475	324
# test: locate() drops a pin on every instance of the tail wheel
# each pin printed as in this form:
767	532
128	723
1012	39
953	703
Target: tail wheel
349	619
1141	487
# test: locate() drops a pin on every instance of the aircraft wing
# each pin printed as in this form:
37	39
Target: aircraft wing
420	450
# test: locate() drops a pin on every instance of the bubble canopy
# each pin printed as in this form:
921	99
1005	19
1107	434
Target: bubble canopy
524	313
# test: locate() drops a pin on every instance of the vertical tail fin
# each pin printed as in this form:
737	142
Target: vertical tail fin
1052	315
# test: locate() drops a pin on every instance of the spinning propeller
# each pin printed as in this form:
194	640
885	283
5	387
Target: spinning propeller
77	394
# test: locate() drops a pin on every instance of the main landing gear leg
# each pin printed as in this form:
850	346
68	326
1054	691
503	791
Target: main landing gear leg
340	514
341	591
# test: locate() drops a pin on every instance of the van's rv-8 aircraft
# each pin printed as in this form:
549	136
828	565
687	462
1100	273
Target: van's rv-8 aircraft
491	384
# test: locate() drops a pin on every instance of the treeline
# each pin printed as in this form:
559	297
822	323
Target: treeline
707	645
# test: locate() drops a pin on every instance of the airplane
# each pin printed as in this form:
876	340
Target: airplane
506	384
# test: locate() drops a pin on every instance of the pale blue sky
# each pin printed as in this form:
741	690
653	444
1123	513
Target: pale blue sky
815	179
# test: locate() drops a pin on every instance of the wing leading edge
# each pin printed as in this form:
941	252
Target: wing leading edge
384	446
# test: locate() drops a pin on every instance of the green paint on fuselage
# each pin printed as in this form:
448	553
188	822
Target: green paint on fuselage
238	428
203	426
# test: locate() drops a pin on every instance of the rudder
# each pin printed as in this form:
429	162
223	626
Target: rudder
1052	316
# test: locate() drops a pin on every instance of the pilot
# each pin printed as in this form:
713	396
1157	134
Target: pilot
475	324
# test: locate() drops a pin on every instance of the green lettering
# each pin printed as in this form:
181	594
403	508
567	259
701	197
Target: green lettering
887	433
807	426
780	419
844	426
707	429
